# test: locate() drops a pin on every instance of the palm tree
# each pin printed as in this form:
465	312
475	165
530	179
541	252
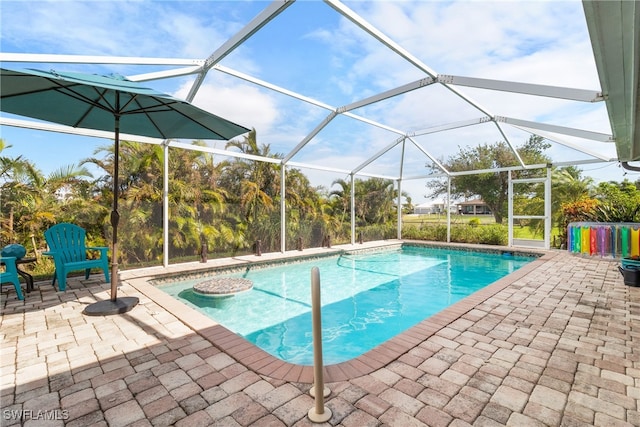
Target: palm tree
15	174
342	197
254	190
140	189
379	196
303	204
31	202
197	181
568	185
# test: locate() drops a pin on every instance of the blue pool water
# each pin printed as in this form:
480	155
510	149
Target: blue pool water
366	298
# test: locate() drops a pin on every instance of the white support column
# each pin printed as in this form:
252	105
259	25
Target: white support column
283	216
510	211
399	235
399	203
165	206
448	208
353	211
547	210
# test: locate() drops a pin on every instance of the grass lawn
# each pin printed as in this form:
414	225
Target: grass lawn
519	231
442	219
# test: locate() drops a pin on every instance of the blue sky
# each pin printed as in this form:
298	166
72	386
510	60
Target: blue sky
312	50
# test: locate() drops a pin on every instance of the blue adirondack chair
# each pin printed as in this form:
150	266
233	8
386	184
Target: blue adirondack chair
10	274
67	246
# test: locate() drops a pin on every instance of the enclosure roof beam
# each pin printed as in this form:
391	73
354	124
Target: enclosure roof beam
306	99
316	167
430	176
509	168
395	47
165	74
262	19
432	158
227	153
595	136
378	35
53	127
583	95
96	59
583	162
271	86
375	175
449	126
513	148
502	169
388	94
377	155
554	137
309	137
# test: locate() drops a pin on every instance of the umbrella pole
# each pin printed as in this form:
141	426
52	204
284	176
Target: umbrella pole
114	305
115	216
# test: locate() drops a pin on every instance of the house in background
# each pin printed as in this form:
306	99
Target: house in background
468	207
428	208
424	208
473	207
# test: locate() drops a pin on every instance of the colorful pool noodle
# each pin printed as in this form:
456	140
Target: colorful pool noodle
586	237
571	241
624	242
604	239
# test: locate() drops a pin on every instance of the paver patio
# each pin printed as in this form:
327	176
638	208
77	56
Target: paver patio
557	345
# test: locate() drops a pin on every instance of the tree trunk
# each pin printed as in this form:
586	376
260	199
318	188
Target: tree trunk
11	236
497	214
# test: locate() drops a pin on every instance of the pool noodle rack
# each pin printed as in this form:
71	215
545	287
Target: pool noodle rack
613	240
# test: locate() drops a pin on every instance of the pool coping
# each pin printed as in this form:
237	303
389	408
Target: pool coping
263	363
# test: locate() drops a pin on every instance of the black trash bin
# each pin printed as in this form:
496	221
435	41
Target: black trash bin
630	274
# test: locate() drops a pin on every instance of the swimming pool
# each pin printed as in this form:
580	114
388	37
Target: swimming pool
367	298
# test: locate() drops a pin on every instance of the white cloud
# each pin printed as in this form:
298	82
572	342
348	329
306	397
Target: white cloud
240	103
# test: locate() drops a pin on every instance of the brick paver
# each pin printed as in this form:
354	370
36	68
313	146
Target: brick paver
555	346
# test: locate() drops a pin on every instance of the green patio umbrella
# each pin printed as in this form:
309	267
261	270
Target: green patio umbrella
108	103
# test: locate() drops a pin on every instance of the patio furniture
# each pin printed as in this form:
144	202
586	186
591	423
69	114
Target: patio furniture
28	278
18	252
10	275
67	246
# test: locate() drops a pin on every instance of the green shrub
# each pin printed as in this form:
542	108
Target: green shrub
377	232
436	233
485	235
495	235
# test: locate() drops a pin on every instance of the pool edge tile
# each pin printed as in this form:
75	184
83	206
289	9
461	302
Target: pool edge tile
276	365
334	373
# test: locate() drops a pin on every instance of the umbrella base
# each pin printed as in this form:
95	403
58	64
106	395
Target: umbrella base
109	307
